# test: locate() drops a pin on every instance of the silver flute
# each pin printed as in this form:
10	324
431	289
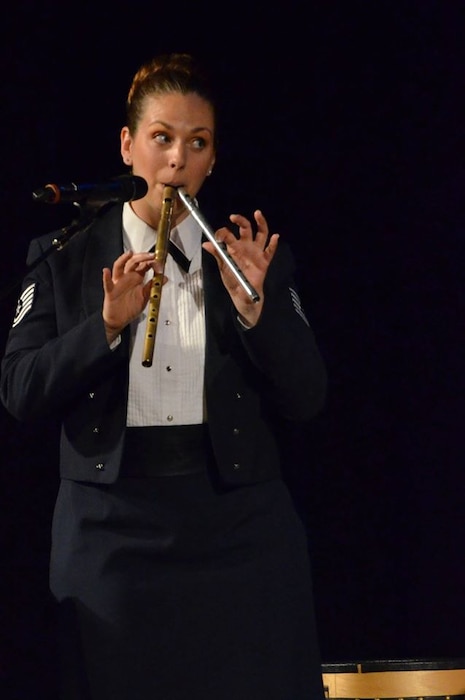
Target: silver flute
220	247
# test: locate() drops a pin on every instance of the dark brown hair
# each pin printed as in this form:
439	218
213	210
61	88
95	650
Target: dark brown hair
167	73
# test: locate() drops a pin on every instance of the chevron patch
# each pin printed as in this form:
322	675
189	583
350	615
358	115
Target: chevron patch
298	305
24	304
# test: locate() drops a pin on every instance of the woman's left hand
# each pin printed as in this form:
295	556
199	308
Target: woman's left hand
253	255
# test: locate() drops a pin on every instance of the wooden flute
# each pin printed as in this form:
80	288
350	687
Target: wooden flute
161	251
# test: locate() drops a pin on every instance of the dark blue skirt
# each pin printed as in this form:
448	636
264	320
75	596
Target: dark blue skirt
178	588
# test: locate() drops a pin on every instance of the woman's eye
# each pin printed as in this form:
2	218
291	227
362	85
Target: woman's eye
199	143
161	138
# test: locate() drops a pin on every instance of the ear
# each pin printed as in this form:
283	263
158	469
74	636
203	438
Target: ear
126	146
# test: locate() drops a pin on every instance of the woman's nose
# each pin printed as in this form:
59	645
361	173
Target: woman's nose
176	157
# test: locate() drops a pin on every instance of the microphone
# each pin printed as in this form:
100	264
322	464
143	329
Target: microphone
119	189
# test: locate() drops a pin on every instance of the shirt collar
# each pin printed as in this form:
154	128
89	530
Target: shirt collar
139	236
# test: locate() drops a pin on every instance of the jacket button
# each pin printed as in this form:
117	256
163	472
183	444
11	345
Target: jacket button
238	395
236	431
96	429
100	466
91	394
236	466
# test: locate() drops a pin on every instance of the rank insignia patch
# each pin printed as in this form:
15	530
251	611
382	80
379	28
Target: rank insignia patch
298	305
24	304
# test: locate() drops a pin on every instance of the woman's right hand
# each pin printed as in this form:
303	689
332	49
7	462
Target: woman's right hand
126	293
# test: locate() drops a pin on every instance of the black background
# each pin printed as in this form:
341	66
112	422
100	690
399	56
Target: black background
343	121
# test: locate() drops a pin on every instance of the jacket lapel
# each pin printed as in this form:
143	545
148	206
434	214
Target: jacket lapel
218	319
104	245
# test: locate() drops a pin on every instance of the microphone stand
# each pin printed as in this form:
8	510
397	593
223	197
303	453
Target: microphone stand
87	213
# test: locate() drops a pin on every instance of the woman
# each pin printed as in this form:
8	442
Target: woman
178	560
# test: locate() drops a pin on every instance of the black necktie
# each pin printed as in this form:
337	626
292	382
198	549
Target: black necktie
177	255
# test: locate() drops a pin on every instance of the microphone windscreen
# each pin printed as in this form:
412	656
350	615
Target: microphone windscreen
133	187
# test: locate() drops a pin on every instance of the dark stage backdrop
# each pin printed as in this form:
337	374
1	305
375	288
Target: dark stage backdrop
343	121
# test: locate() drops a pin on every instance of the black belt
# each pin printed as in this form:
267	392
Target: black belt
165	451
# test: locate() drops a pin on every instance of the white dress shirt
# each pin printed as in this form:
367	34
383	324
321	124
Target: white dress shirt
170	392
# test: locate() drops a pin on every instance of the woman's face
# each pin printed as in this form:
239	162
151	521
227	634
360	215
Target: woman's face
173	145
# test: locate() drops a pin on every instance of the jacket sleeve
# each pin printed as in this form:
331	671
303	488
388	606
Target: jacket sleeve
283	346
49	361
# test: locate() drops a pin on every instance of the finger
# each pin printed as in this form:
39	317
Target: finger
146	290
142	257
262	228
118	265
211	248
139	262
245	227
270	250
157	266
224	235
107	280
